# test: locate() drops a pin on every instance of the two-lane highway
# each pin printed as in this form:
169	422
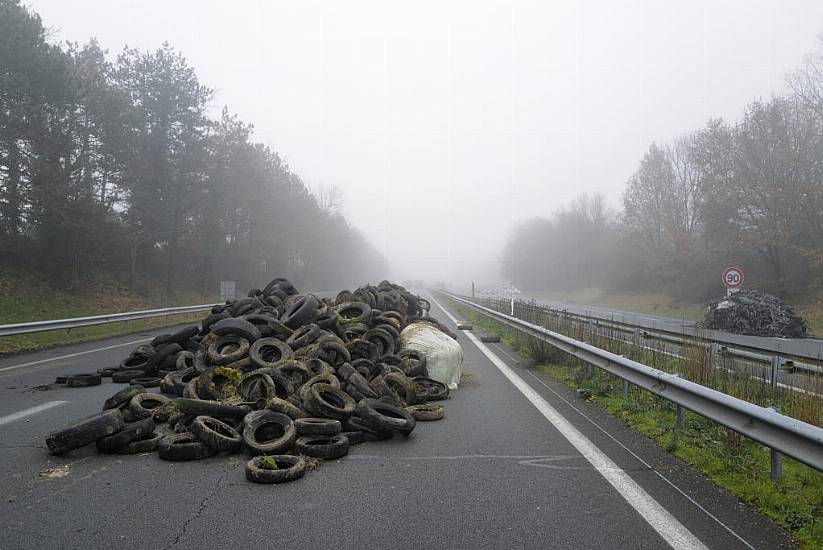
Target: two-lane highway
518	462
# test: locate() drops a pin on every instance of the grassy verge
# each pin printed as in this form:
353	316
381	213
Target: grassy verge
25	298
739	465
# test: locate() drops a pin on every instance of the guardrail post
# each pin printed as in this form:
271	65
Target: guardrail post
776	361
625	389
776	458
681	412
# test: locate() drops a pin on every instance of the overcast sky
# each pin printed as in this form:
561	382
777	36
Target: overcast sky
446	122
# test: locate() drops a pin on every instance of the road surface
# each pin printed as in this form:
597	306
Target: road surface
518	462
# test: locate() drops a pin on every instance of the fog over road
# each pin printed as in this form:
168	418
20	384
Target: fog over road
443	123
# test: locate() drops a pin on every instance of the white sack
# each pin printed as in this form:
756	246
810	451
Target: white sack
444	356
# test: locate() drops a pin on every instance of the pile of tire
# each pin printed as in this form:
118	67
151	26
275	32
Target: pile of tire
281	375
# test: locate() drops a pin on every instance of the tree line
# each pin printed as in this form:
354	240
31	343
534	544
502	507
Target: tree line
746	193
116	166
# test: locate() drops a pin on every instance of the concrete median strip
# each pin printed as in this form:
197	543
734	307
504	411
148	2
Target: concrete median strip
19	415
671	530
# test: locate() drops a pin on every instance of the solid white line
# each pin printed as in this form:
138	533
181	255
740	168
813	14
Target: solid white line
30	411
31	363
671	530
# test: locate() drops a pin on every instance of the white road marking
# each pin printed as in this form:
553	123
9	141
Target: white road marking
32	363
666	525
30	411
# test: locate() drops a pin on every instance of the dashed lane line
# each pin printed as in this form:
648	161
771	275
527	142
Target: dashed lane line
19	415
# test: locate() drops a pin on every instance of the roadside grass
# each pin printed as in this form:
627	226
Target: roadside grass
24	297
739	465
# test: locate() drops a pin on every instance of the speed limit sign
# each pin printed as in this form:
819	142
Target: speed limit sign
733	277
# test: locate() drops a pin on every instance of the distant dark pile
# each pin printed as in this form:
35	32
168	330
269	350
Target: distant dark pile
754	313
279	374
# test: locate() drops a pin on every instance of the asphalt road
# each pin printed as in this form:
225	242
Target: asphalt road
810	348
495	473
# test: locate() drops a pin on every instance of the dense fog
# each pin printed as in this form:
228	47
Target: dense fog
451	137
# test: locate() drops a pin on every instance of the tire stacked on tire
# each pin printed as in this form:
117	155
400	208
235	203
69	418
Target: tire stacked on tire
286	377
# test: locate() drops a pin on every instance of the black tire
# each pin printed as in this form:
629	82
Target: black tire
401	387
202	407
490	339
142	405
184	334
228	349
354	312
268	433
319	379
326	447
122	397
384	341
426	412
362	385
333	352
294	371
327	401
319	367
267	352
126	376
363	349
383	417
135	362
317	426
147	381
184	446
184	360
83	380
147	444
256	385
236	326
130	432
216	434
428	389
211	319
354	424
303	336
289	468
166	351
355	438
464	326
86	431
302	311
344	371
275	404
107	372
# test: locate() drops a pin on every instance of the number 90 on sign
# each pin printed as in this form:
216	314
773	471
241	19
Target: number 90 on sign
733	277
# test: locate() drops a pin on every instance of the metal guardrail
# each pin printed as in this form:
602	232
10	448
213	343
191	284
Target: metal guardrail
67	324
785	360
799	440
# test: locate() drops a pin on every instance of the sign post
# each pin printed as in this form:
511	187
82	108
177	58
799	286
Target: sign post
732	279
228	290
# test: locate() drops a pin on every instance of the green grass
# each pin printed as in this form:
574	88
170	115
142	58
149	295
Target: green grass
25	298
739	465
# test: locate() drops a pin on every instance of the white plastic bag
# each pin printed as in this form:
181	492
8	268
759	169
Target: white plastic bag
444	356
